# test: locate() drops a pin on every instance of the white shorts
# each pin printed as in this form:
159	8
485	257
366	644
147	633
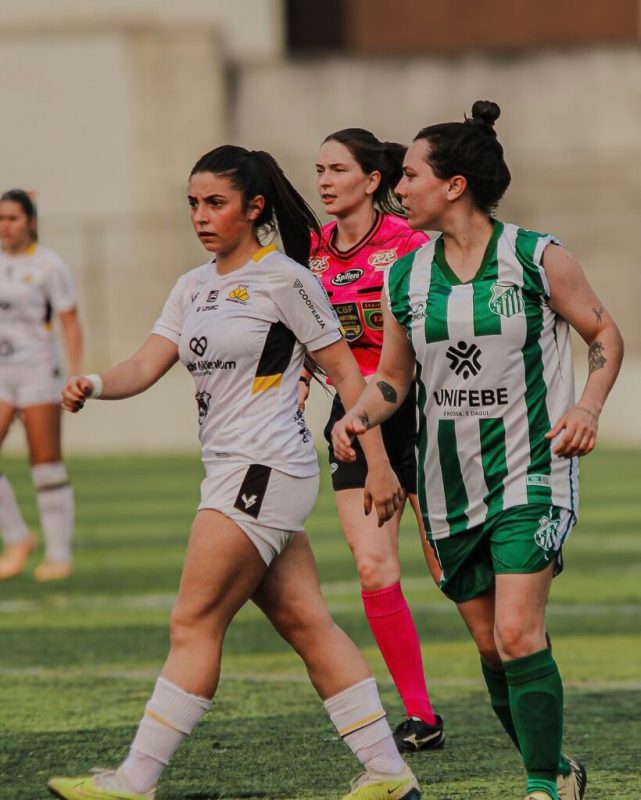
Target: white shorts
26	385
268	505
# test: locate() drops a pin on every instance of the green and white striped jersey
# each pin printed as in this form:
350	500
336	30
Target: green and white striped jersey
494	371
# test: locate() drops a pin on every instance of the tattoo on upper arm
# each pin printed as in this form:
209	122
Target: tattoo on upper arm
599	314
388	392
596	357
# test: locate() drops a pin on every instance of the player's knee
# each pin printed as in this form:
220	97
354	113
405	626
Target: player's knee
515	639
186	627
377	570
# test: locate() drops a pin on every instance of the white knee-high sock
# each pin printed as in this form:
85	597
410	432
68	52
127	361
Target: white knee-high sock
170	716
12	525
360	720
56	507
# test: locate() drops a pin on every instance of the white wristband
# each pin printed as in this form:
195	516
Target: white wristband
96	381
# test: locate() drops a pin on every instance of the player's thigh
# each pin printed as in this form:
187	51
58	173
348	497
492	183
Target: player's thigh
364	537
428	551
290	595
7	415
221	571
521	600
43	425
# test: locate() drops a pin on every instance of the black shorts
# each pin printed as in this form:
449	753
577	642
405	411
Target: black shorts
399	437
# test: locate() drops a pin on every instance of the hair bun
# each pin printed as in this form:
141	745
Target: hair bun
485	112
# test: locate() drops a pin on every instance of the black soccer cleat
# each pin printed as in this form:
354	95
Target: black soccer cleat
413	734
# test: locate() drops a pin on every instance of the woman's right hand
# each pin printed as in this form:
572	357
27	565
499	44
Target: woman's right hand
75	393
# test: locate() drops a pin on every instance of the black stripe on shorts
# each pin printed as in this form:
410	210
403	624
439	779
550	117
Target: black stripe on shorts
252	490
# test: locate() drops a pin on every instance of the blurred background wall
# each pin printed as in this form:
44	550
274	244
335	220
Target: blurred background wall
107	104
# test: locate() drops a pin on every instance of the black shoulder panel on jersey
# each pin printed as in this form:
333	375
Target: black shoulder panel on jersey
275	358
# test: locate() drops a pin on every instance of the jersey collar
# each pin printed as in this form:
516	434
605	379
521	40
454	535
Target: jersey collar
347	254
488	257
264	251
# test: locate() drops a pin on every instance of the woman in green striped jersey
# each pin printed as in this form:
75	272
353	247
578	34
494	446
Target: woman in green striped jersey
483	313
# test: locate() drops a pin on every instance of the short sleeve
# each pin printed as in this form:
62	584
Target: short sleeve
170	322
60	288
302	304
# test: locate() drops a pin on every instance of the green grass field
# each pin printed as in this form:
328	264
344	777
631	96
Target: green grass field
78	660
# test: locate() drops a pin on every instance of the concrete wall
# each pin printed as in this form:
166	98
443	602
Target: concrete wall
107	105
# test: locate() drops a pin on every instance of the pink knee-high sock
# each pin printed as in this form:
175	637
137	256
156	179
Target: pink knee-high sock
393	627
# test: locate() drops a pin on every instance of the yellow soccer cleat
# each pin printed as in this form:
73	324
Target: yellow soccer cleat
102	784
376	786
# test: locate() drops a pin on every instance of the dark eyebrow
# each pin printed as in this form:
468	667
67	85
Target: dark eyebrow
336	164
208	198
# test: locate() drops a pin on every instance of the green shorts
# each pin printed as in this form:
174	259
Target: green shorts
520	540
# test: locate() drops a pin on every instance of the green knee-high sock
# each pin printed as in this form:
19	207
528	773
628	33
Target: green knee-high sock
536	703
496	683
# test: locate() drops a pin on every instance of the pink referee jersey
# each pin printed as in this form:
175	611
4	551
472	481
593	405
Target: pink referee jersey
353	280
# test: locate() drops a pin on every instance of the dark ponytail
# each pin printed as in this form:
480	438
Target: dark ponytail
375	156
25	201
255	173
471	149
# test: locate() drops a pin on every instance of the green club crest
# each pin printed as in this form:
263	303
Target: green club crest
506	299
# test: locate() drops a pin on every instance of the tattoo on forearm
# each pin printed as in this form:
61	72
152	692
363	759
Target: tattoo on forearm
388	392
365	419
596	357
599	314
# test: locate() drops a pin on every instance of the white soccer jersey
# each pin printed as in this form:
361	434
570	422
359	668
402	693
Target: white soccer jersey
494	373
243	337
33	287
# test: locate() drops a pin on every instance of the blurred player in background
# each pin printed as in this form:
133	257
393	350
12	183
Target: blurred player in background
35	289
483	314
241	325
356	174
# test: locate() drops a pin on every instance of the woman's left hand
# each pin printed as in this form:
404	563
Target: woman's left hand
383	492
580	425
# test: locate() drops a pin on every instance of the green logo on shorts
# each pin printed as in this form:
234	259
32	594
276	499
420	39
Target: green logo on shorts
506	299
545	534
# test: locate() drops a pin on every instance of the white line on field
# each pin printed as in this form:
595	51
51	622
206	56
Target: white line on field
97	673
161	602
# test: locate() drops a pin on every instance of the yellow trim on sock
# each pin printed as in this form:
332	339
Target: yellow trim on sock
363	723
149	712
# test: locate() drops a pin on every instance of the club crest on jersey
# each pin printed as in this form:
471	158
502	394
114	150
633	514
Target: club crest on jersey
506	300
546	534
383	258
203	400
319	264
239	294
347	277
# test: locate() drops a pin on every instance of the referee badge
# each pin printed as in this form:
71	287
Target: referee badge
506	300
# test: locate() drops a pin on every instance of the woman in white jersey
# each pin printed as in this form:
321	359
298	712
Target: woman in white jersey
35	290
356	175
241	324
483	315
